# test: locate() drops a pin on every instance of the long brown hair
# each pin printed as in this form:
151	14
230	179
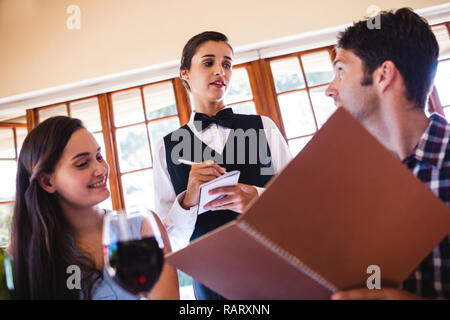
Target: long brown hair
41	248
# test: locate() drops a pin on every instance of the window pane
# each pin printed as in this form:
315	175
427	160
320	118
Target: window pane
318	68
22	119
244	108
60	110
442	82
134	152
323	105
106	204
101	143
138	189
127	106
296	145
8	170
427	108
87	111
447	113
240	89
21	135
443	39
186	289
287	74
158	129
296	113
5	222
7	143
160	100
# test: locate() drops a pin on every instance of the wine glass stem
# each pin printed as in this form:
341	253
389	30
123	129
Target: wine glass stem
142	296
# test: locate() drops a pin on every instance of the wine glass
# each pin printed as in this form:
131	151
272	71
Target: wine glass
132	248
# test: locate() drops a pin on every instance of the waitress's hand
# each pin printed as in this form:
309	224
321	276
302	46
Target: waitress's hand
199	174
237	198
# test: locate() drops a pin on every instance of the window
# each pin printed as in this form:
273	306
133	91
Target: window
441	82
87	110
142	117
300	81
240	95
440	96
127	125
53	111
11	139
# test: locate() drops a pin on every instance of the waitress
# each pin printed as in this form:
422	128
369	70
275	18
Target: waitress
213	139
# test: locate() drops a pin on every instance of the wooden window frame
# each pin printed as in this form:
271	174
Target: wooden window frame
265	99
272	95
108	128
183	113
33	120
434	103
14	127
253	88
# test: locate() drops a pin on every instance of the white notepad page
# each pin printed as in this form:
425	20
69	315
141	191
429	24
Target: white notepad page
228	179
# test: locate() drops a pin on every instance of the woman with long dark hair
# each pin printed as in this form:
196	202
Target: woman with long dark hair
61	178
217	140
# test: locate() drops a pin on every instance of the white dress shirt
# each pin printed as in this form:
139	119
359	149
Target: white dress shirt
180	223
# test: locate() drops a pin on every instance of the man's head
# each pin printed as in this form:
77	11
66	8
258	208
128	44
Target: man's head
403	46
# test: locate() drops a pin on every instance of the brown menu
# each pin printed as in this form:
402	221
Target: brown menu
343	204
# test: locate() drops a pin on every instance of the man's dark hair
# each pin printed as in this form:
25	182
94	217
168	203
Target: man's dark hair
405	39
192	45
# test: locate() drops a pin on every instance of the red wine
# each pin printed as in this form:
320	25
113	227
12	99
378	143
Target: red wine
136	264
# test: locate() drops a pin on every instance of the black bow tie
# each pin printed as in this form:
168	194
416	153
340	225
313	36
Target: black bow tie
223	118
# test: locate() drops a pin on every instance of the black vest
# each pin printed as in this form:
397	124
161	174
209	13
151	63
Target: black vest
246	150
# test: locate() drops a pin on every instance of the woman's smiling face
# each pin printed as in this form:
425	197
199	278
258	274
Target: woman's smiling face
81	174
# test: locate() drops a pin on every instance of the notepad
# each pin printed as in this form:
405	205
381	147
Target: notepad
345	203
228	179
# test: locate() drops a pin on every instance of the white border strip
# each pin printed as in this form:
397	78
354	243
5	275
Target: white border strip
15	106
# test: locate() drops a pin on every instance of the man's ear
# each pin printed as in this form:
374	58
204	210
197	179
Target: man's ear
46	183
386	75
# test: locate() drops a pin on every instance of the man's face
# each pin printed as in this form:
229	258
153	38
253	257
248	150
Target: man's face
350	87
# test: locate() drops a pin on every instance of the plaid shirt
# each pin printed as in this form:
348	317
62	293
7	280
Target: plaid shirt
430	162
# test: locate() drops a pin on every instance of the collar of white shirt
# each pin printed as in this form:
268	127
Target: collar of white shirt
214	136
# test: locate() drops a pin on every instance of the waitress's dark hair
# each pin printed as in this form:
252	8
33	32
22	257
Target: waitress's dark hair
192	45
40	245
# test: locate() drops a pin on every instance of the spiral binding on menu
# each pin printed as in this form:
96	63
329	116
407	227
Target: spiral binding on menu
292	259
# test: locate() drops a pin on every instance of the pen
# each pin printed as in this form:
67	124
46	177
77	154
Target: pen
189	163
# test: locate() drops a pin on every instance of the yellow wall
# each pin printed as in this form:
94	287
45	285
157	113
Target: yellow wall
38	51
